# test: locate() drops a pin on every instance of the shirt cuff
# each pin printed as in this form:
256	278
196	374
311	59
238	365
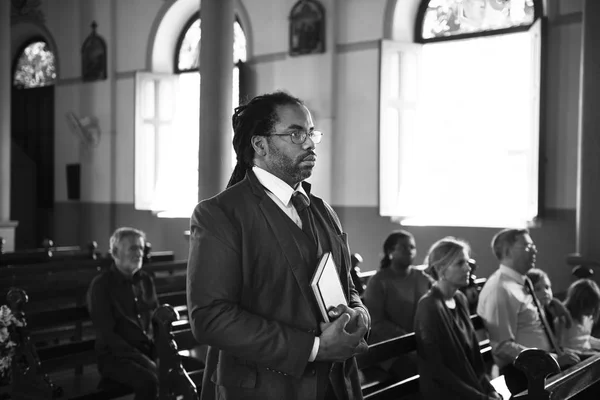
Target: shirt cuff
315	349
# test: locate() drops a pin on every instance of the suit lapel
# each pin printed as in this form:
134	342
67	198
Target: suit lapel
339	247
284	238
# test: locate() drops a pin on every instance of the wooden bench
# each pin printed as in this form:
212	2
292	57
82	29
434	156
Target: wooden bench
581	381
179	373
63	336
49	278
74	255
49	252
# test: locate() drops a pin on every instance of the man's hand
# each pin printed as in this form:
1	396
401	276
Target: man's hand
567	359
495	396
355	315
337	344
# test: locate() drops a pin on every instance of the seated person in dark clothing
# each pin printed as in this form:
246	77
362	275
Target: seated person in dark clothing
393	292
392	295
450	363
121	301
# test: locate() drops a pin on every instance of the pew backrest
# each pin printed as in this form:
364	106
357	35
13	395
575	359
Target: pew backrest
50	253
174	380
538	365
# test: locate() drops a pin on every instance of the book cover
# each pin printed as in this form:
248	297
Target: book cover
326	286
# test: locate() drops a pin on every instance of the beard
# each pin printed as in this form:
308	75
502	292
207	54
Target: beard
288	168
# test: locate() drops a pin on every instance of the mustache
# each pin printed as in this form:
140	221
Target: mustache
311	155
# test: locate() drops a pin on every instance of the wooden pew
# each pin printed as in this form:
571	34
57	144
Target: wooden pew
581	381
27	380
72	255
171	336
44	278
71	324
49	252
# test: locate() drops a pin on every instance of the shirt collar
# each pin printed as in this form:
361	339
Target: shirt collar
511	273
279	188
118	275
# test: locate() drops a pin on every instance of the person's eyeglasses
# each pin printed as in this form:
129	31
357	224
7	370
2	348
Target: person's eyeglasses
299	136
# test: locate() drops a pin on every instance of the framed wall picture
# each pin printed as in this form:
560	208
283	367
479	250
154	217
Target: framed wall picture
93	57
307	28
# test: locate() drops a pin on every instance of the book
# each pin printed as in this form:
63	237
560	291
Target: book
327	286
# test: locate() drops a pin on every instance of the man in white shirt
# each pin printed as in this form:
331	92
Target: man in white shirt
508	309
253	250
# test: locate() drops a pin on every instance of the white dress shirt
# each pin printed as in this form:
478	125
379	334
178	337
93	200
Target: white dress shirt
510	316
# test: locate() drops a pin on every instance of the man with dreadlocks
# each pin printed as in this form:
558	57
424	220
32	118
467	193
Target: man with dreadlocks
253	250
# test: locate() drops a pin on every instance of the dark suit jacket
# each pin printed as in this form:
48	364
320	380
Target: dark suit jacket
250	301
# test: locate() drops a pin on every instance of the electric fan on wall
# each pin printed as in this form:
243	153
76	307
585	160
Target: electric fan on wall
85	128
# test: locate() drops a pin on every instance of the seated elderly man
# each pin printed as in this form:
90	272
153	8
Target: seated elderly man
510	311
121	301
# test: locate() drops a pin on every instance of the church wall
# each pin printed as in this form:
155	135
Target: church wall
341	89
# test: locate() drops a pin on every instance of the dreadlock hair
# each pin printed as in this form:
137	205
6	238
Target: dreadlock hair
256	118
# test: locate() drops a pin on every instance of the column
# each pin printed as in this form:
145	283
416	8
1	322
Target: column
7	227
216	72
588	169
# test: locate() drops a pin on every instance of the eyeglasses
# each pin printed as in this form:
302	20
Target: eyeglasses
299	136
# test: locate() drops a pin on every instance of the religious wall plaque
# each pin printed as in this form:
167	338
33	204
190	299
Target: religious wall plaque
307	28
93	57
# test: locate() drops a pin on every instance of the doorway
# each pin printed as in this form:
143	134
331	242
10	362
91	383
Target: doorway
32	149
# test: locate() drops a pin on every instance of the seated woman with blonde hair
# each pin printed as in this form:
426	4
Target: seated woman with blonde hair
449	361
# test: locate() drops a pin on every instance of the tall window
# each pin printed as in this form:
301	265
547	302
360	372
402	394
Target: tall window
35	66
460	116
167	133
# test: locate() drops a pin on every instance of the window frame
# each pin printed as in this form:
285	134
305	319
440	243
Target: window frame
418	33
184	30
385	204
144	174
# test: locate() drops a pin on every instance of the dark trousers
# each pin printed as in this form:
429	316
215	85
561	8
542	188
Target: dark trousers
136	371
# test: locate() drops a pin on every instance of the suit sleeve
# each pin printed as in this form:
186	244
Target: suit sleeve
214	290
432	339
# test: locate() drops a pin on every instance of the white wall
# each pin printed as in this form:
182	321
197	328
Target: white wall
340	87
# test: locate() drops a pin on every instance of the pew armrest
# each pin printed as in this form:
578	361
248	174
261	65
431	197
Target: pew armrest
561	386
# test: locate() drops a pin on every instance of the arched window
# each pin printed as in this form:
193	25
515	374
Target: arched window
167	134
460	116
35	66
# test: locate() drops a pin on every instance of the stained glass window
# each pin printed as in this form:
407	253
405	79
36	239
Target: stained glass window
35	67
445	18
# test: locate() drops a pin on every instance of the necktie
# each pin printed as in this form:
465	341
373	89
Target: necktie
301	203
547	329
